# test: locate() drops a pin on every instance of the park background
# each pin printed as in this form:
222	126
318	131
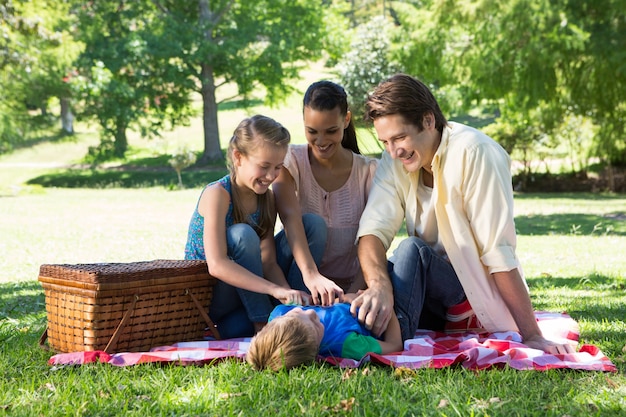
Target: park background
99	101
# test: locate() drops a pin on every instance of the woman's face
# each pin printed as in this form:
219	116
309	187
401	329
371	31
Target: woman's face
324	131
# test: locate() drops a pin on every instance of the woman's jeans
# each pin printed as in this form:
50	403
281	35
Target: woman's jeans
424	286
235	310
316	235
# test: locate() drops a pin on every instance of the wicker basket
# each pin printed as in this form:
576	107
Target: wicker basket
129	307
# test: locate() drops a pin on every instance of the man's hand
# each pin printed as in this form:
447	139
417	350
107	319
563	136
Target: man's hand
541	343
373	307
323	290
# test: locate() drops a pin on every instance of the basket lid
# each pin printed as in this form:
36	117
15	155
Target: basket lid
122	272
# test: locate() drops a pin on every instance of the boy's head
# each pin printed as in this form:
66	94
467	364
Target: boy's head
287	341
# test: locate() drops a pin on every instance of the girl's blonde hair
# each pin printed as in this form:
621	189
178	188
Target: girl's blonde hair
283	343
248	136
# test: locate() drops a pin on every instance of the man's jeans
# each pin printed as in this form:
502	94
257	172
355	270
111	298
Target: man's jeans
424	286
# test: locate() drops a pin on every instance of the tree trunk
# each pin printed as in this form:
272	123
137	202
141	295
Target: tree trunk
610	176
121	141
67	118
212	149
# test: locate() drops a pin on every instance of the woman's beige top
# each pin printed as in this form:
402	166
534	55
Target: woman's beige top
341	209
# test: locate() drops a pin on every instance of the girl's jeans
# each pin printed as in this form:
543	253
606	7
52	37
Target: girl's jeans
235	310
424	286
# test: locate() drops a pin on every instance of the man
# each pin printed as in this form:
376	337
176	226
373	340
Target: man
451	184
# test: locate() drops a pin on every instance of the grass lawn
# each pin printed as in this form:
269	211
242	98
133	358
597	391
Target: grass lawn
570	267
571	247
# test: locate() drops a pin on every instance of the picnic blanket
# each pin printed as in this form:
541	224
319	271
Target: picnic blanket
427	349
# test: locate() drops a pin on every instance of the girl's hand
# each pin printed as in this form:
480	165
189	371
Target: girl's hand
323	291
289	296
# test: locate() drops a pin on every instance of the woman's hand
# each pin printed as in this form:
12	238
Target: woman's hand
323	290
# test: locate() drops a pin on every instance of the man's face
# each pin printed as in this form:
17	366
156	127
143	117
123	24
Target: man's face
407	143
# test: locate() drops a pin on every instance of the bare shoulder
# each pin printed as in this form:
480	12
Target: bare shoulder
213	198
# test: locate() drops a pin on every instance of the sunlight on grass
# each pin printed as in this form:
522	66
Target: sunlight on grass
570	246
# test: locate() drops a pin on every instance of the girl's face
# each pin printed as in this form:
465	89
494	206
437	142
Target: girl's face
310	320
258	170
405	142
324	130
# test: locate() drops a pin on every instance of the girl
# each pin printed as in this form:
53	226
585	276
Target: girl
232	228
330	178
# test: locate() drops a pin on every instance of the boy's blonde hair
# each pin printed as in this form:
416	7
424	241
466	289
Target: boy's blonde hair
284	342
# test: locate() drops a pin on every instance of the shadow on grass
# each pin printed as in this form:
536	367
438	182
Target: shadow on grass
473	121
569	196
19	299
58	137
239	104
591	282
22	313
572	223
126	178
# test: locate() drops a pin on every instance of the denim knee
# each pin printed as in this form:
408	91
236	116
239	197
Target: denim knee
316	232
242	237
410	246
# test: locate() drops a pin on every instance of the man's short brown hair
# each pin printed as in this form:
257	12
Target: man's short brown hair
406	96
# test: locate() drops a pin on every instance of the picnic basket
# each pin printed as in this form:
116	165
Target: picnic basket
129	307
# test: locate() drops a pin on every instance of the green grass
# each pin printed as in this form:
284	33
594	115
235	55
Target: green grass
571	247
581	273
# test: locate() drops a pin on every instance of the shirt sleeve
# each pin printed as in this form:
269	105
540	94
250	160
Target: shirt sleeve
357	345
489	206
384	211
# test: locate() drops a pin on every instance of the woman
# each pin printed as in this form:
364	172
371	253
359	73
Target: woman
327	177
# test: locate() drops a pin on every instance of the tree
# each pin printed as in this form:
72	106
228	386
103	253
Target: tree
597	81
367	62
36	52
124	80
168	50
248	43
542	60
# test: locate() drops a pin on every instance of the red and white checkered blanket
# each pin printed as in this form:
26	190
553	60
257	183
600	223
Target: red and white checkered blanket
427	349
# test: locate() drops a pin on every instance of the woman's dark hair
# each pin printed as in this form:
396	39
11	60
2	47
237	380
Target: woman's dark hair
326	95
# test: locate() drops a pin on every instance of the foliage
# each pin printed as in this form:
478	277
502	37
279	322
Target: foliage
160	53
367	62
544	60
124	81
338	32
36	52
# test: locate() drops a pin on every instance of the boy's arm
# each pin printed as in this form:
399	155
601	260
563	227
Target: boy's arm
392	341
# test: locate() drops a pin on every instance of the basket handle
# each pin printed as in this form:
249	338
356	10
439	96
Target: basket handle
118	329
204	315
43	338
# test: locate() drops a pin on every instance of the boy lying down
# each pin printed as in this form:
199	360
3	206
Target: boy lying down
297	334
